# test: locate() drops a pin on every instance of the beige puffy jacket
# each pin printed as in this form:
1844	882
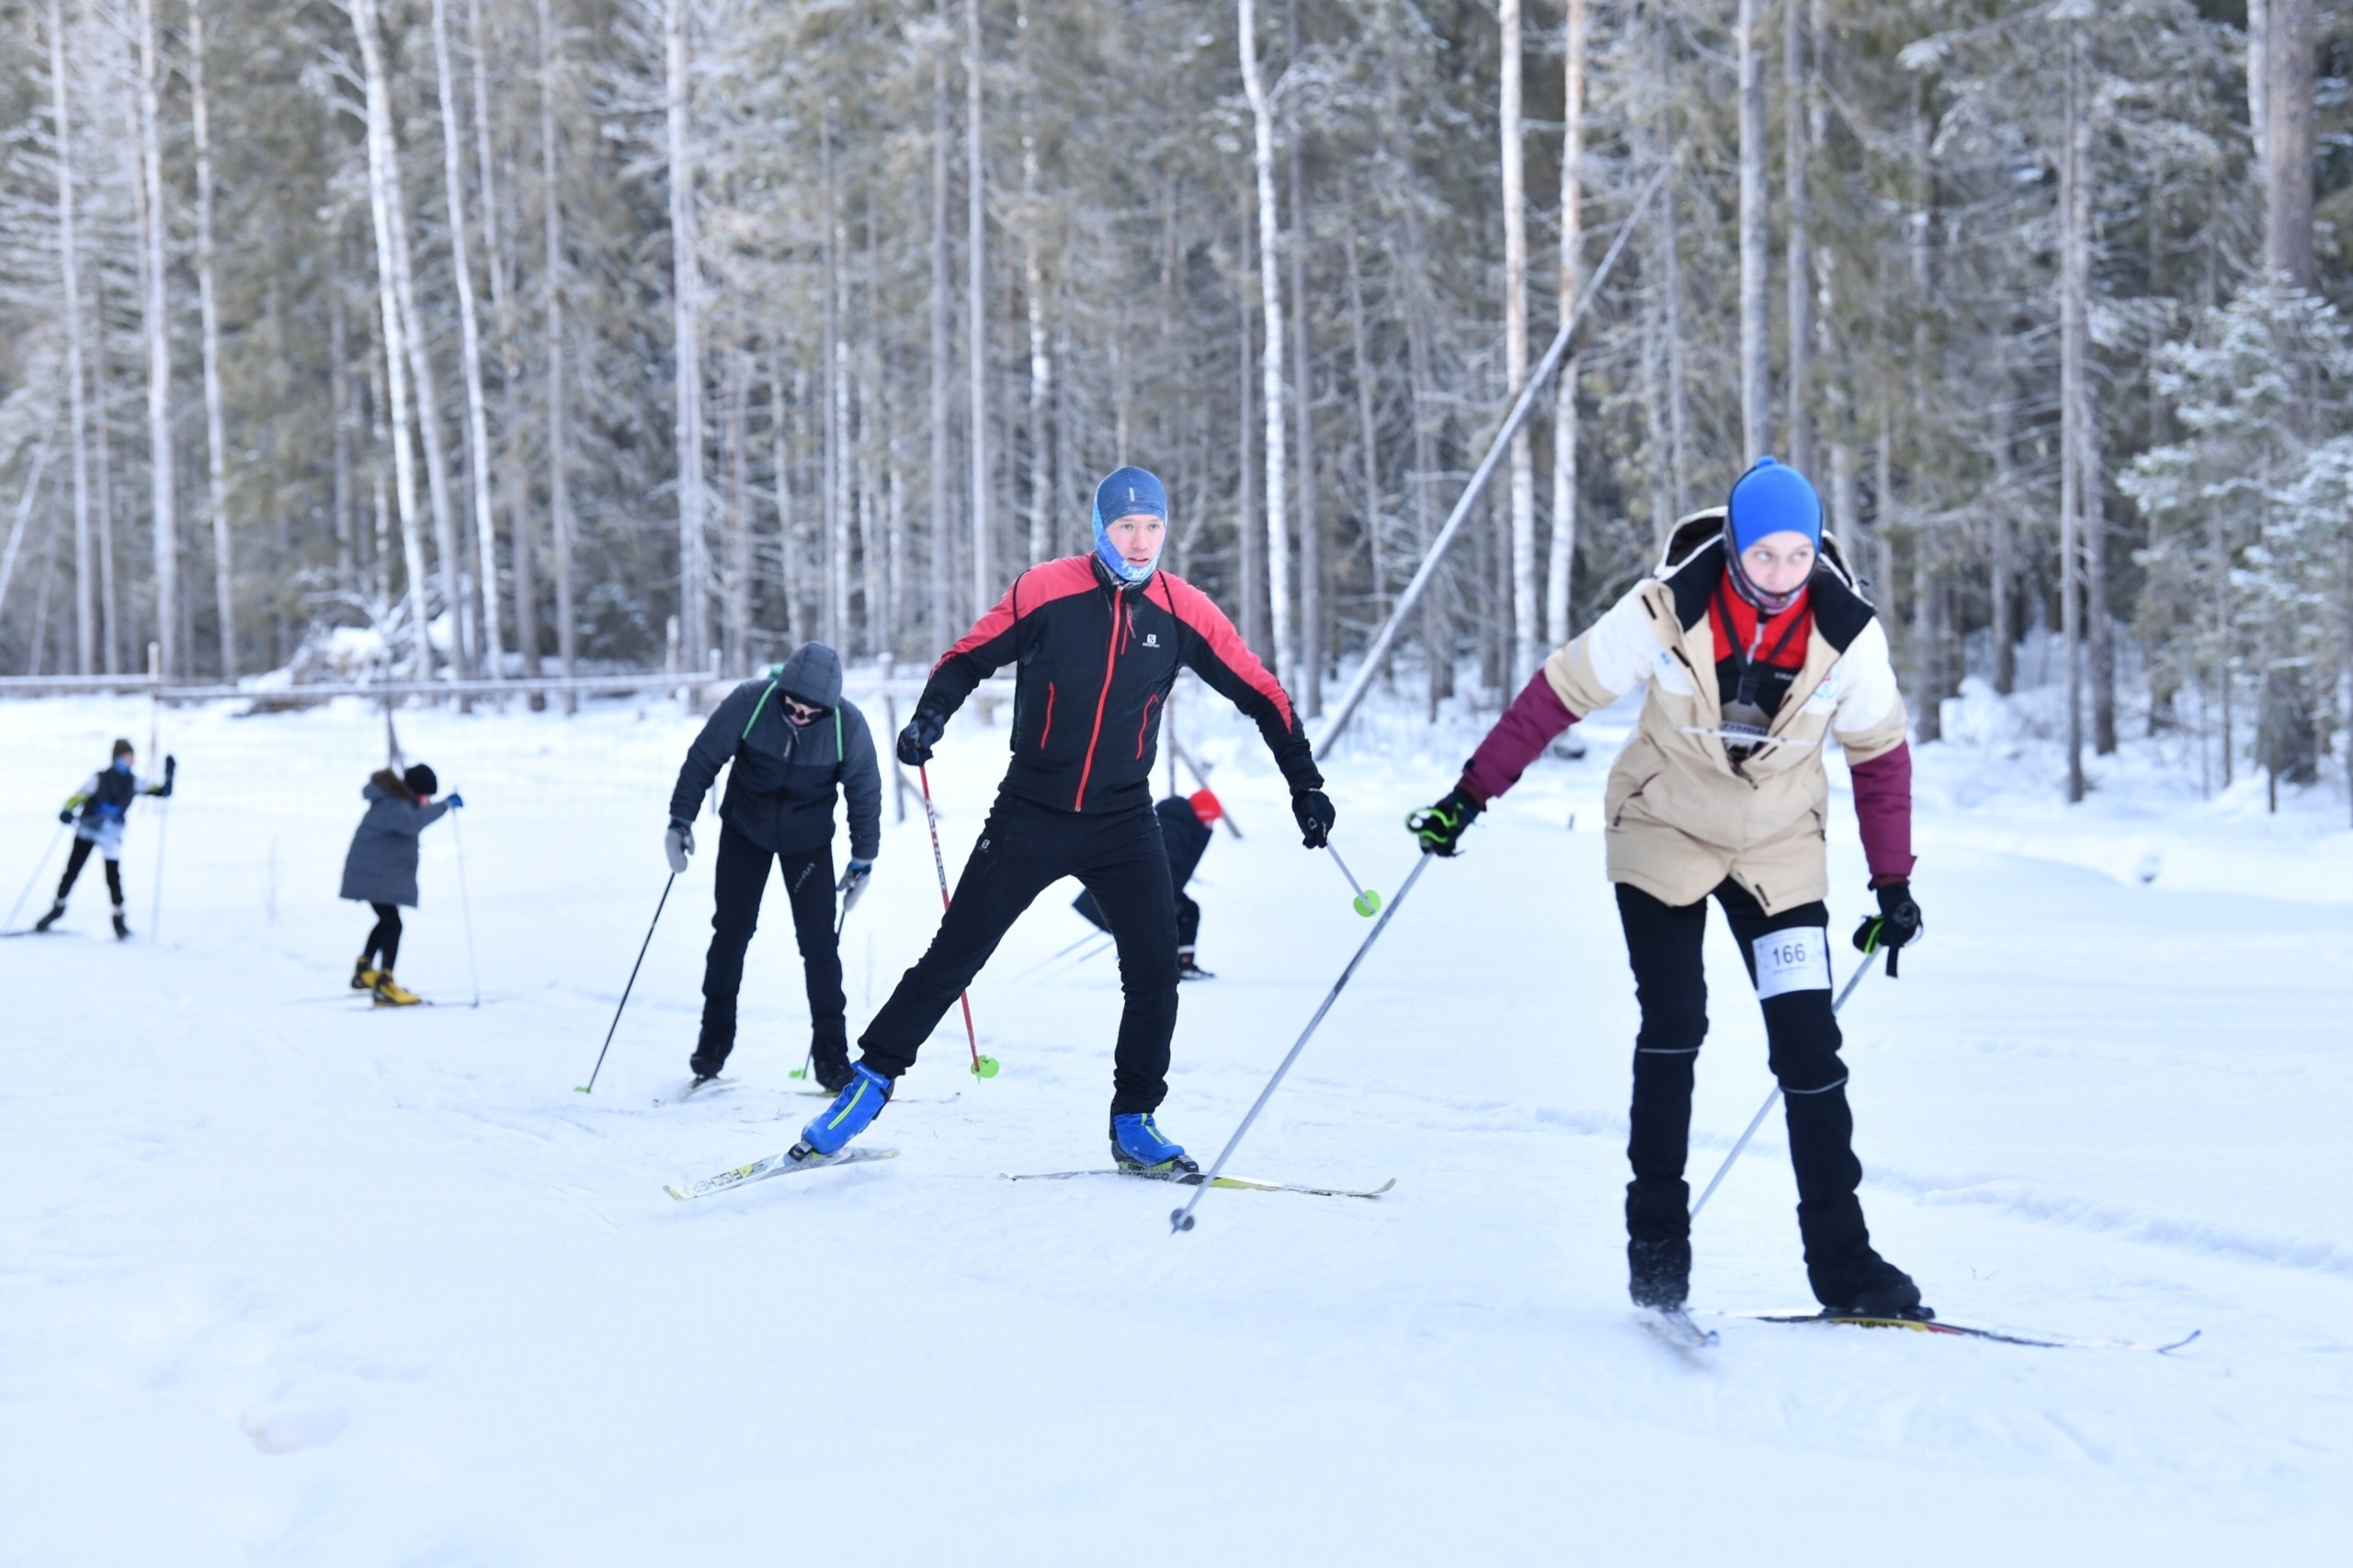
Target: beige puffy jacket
1680	817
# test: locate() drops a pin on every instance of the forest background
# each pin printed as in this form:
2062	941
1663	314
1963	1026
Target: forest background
557	336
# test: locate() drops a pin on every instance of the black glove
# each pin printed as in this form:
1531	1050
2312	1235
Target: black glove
171	769
853	883
677	843
922	733
67	816
1897	924
1440	827
1312	811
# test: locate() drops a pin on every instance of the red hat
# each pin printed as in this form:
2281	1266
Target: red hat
1205	806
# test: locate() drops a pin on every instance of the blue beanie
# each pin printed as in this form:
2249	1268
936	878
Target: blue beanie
1126	493
1772	498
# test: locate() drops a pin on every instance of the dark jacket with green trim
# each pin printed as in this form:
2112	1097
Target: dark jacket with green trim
780	790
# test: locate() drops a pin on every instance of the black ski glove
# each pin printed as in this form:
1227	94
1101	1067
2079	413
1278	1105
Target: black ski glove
67	816
1440	827
1897	924
171	771
922	733
1312	809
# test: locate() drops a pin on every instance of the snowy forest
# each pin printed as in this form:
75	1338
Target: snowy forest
550	335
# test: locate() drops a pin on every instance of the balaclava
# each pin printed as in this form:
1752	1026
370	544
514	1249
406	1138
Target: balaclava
1770	498
1124	493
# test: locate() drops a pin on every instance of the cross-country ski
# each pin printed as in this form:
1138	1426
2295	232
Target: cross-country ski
1195	1178
790	1162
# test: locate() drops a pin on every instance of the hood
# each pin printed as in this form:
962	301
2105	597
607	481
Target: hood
392	785
1693	534
812	673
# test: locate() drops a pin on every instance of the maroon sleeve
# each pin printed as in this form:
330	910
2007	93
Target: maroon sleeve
1536	717
1884	811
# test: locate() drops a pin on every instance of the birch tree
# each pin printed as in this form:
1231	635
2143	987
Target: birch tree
69	267
1262	127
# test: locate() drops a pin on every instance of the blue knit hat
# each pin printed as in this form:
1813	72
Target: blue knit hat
1772	498
1126	493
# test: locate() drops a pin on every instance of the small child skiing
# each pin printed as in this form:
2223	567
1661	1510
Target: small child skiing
96	813
381	869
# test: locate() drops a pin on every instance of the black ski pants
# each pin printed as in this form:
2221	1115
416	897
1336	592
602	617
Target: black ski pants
1663	943
79	856
742	877
1025	849
384	941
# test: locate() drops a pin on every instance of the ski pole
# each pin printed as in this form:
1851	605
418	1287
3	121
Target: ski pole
465	906
1044	964
34	880
1367	904
983	1066
1774	1098
590	1086
1182	1219
155	908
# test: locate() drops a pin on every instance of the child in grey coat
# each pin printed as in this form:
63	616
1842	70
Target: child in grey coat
381	869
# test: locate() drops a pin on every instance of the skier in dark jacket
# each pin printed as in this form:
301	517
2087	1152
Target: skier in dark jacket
794	742
1185	824
1099	640
380	869
95	812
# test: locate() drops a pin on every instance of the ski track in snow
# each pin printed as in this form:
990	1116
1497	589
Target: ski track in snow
289	1282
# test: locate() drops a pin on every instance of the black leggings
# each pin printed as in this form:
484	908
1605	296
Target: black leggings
79	858
1663	943
740	880
1024	850
384	941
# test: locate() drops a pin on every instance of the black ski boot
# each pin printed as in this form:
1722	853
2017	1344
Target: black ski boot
1188	968
56	912
831	1069
1658	1242
1856	1283
122	929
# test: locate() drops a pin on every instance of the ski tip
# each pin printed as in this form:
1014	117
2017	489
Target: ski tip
2185	1339
675	1193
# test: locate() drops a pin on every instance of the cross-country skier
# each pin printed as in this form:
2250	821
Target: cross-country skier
1757	649
380	869
1098	641
794	742
96	813
1185	824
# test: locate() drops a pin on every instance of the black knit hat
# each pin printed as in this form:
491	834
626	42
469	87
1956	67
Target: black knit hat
420	781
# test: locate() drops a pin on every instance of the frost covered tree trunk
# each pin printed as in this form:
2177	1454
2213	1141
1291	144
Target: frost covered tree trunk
1310	689
1270	366
347	539
1368	434
1247	537
155	327
1678	422
2004	543
837	502
685	309
419	357
69	267
1041	359
2258	47
110	626
507	455
1526	627
977	352
567	626
216	456
2073	269
2289	73
1797	80
737	583
943	392
1564	387
1756	225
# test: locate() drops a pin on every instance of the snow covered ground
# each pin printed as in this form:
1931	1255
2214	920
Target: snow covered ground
286	1279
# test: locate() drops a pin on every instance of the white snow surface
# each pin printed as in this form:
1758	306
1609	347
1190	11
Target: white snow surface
284	1279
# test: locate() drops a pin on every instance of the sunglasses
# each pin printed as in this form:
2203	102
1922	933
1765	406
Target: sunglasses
804	711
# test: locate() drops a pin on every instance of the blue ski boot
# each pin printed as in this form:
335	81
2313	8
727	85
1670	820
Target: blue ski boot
859	1103
1137	1145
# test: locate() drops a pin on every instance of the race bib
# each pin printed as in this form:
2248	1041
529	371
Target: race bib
1795	959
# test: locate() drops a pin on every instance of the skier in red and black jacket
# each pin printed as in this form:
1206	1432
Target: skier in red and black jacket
1098	641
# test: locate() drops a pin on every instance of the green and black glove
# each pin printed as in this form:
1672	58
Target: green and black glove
1897	924
1440	827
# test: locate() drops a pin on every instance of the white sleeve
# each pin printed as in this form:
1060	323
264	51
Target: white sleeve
1868	696
1611	658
